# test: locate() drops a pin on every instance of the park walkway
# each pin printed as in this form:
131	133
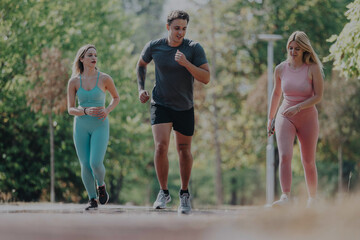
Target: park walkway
46	221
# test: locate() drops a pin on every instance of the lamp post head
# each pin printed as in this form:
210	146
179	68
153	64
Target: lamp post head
270	37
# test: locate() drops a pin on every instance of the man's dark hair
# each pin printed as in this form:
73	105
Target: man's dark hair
177	14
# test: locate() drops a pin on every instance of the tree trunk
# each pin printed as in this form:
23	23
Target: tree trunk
218	160
52	171
340	173
148	194
116	189
233	191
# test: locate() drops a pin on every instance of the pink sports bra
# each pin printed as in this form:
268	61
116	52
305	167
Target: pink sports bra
296	84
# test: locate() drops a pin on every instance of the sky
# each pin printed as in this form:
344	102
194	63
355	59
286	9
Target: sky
178	4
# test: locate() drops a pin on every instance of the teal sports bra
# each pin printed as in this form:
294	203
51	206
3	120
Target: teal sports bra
92	98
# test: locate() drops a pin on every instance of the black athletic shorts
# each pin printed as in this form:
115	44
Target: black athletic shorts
183	121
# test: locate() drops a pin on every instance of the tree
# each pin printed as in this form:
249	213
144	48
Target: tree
240	61
24	151
219	104
215	110
340	116
119	29
145	15
345	51
341	105
27	27
48	74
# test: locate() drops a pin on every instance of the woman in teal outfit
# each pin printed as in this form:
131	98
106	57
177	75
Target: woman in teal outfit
91	125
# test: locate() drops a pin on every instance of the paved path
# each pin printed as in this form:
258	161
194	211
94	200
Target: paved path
45	221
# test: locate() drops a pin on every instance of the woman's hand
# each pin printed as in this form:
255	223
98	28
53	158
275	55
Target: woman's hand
271	127
99	112
291	111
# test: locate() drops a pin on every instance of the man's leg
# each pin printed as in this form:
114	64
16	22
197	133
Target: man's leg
161	133
183	145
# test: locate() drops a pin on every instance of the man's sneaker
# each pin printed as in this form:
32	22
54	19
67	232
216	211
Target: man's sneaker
284	201
93	205
161	200
103	195
185	205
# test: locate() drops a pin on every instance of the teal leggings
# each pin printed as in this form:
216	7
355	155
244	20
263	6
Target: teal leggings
91	137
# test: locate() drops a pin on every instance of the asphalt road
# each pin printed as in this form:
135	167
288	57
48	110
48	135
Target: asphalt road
45	221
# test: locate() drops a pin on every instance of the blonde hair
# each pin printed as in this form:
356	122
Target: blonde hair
303	41
78	66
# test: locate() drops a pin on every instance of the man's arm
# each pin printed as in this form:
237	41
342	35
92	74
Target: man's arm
141	76
201	73
141	73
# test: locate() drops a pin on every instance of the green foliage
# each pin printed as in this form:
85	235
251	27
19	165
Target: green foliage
145	16
240	60
29	26
345	51
26	28
68	183
318	19
24	157
236	96
245	185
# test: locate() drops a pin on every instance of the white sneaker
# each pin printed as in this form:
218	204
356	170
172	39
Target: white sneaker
185	204
284	201
311	203
161	200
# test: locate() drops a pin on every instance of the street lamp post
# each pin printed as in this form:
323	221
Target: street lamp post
270	172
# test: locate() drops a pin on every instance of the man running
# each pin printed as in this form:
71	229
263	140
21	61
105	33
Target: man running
177	62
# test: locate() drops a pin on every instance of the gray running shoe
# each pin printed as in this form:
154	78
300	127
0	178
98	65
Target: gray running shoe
283	202
161	200
185	205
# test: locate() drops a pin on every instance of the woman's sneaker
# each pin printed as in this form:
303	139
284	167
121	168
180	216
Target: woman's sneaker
93	205
161	200
283	202
103	195
312	203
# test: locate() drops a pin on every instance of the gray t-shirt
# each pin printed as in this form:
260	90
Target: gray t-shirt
173	83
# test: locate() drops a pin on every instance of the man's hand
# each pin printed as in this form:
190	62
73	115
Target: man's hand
181	58
144	96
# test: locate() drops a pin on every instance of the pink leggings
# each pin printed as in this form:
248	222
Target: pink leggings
306	126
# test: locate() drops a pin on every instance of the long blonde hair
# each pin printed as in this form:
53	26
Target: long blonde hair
78	66
303	41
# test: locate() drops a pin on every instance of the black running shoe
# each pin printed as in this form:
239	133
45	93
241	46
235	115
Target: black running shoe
103	195
93	205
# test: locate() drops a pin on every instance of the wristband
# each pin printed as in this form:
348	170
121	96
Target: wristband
85	111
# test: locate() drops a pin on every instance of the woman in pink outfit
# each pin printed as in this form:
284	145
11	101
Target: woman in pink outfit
300	79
